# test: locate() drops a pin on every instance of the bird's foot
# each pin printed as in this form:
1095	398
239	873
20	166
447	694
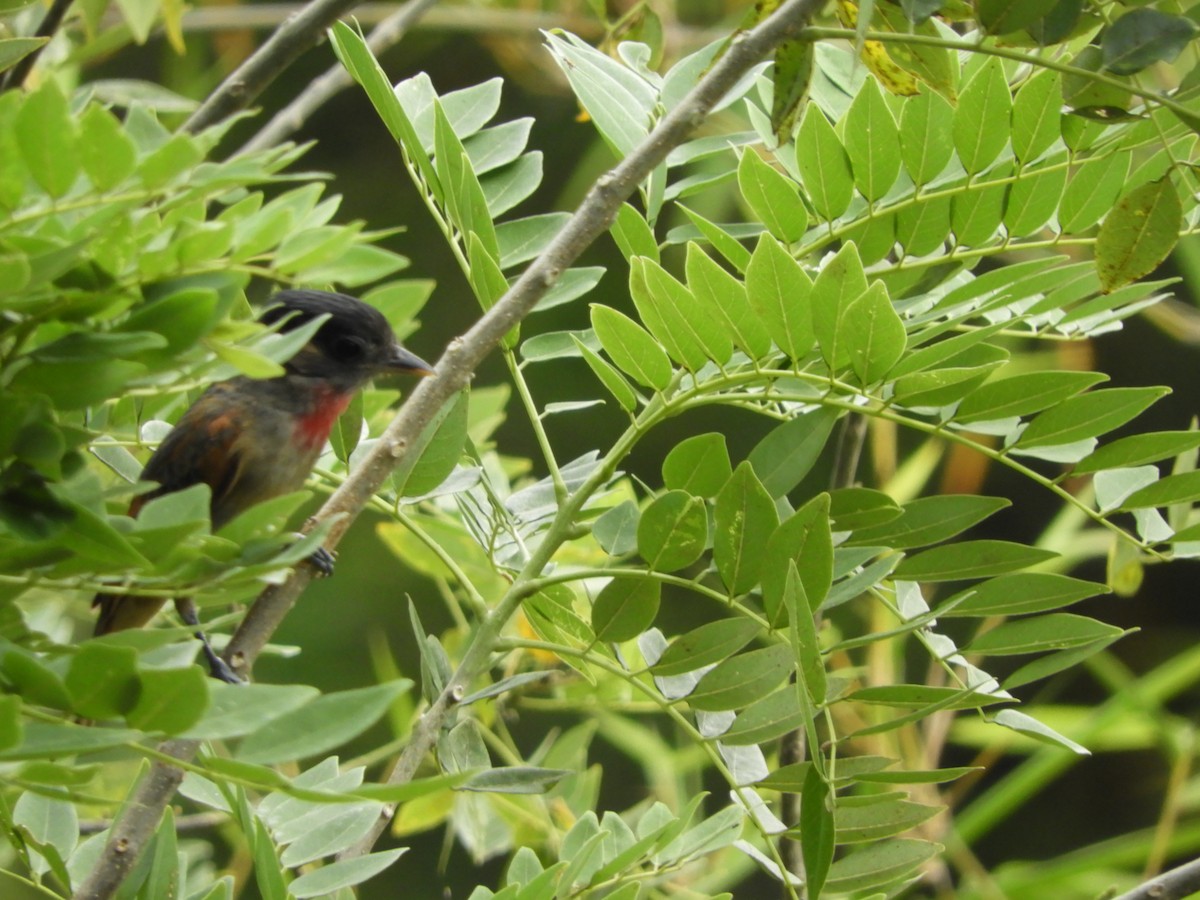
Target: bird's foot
219	669
322	560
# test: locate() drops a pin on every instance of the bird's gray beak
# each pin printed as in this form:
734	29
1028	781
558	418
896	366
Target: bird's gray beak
400	360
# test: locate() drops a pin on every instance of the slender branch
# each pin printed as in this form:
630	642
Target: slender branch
300	32
47	29
131	833
288	120
1174	884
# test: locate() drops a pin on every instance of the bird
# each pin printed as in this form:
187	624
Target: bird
251	439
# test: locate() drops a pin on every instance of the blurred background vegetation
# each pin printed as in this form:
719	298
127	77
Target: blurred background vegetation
354	627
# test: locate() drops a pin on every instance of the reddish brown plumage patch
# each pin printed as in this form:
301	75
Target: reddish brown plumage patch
313	427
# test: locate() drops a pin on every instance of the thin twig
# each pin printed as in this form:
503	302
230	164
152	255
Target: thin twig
47	29
288	120
1182	881
133	830
300	32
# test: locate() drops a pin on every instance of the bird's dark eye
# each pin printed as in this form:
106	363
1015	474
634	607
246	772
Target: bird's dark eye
347	348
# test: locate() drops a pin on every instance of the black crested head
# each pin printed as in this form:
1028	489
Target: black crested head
353	344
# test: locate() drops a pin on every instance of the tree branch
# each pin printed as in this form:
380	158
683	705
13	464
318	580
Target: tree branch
141	815
300	32
1182	881
288	120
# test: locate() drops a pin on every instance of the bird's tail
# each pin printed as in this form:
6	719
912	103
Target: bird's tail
121	611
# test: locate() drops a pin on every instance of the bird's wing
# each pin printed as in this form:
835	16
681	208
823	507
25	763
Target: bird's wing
200	449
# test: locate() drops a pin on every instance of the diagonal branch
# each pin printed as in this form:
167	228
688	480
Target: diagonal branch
288	120
133	830
300	32
1174	884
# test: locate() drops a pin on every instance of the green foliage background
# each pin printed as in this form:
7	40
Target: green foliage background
739	646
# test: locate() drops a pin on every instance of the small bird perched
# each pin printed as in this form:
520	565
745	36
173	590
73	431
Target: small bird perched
250	440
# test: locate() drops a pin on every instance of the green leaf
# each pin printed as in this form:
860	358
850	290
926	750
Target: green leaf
767	719
1138	234
802	633
919	696
1092	192
608	375
1028	725
354	54
672	531
1020	593
344	873
617	99
804	539
879	865
1023	395
976	215
103	680
858	507
926	136
505	188
1183	487
1139	449
823	164
1035	115
723	242
817	832
745	517
169	162
36	682
778	290
48	139
631	348
1085	95
971	559
773	198
347	430
1053	631
698	465
625	607
924	226
443	451
873	334
633	234
791	77
13	50
107	154
465	203
742	679
321	725
981	122
1142	37
11	728
1089	415
930	520
788	453
43	740
170	700
237	710
1032	200
839	284
723	299
870	136
669	311
1005	16
1053	663
709	643
616	530
864	824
